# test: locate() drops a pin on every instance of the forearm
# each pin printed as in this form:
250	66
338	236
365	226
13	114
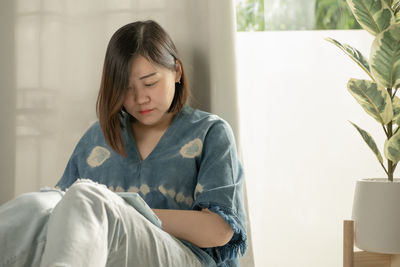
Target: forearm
202	228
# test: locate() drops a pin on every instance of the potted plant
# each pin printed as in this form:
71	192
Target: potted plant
376	207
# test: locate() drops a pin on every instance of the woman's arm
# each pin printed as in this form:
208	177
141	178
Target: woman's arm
202	228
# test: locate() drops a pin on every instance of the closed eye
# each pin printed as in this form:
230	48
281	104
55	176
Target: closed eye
150	84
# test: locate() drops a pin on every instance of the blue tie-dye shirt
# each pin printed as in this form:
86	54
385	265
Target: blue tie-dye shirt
193	166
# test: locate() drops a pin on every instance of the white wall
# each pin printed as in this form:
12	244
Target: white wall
301	155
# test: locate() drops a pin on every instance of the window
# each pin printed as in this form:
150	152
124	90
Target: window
277	15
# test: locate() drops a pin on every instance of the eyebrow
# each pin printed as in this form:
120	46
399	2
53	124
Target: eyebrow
147	76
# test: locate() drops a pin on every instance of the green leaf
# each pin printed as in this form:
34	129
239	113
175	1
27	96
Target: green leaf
389	2
374	99
373	15
392	148
334	14
385	57
396	6
370	142
354	54
396	110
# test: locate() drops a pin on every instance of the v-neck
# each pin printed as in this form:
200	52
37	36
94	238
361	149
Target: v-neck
132	141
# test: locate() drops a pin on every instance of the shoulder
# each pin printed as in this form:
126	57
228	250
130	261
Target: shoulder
212	126
94	127
198	118
92	136
92	131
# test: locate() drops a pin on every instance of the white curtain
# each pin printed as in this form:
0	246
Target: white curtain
52	56
7	102
54	53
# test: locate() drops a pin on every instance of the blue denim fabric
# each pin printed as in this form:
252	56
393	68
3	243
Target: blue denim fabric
194	166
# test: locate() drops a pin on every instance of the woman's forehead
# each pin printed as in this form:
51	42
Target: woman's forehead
141	66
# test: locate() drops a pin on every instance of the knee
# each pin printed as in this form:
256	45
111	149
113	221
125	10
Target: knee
88	200
85	191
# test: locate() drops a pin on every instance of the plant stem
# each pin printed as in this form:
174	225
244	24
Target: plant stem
390	163
384	168
394	94
389	129
384	129
390	170
395	131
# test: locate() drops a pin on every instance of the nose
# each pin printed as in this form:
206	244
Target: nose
141	96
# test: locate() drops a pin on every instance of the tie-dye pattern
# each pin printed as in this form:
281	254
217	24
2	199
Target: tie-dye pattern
194	166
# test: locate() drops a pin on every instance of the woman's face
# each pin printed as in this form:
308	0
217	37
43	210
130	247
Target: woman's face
151	91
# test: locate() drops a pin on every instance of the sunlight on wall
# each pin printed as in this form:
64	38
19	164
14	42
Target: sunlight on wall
301	155
60	48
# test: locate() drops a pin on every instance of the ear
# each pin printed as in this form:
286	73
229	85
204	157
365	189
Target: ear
178	74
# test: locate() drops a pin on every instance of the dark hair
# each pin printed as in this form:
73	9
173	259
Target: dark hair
140	38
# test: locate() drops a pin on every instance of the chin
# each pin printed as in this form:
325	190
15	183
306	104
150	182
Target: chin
148	121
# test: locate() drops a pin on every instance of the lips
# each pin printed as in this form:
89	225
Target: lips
145	111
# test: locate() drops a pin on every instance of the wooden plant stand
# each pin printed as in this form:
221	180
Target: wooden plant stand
353	258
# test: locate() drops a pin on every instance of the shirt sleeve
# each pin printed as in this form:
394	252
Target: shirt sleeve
219	187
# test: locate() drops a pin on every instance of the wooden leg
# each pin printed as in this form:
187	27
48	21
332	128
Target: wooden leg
361	258
348	243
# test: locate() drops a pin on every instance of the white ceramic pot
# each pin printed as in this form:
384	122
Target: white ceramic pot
376	215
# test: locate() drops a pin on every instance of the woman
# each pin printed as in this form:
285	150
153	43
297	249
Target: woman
181	161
